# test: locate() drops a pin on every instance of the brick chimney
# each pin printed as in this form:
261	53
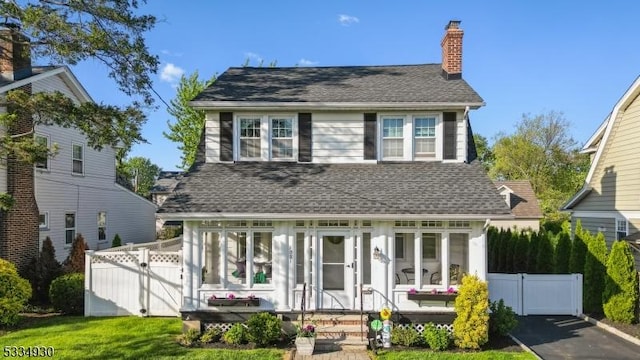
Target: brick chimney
452	51
15	54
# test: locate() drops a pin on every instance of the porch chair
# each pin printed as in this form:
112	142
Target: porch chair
454	275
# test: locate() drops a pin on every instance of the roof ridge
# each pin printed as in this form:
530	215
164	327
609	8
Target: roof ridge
330	66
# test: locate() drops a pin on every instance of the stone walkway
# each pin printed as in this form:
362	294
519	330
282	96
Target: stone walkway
335	355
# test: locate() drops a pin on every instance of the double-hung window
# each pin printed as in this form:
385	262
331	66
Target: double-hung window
102	226
392	138
42	162
424	135
622	228
77	158
266	138
69	227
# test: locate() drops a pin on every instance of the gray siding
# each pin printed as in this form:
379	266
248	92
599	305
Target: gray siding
616	179
596	224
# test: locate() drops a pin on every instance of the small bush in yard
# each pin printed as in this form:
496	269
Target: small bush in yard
116	241
14	293
75	261
189	338
264	329
67	294
502	318
211	335
471	326
236	335
404	336
620	297
437	339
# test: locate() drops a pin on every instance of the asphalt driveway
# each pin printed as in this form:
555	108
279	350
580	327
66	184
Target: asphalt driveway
569	337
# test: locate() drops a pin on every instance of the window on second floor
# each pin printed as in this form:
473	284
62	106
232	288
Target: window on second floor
77	158
266	138
42	164
409	137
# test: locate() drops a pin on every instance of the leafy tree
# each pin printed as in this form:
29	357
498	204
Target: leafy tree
75	261
189	123
595	269
544	260
542	151
485	153
142	174
563	253
578	251
620	297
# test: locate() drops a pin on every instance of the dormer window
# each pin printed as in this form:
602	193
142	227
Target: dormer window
411	137
424	132
265	138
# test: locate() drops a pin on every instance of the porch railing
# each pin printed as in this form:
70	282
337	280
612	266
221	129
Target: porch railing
361	315
303	303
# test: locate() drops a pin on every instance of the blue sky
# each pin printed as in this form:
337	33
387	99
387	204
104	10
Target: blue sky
576	57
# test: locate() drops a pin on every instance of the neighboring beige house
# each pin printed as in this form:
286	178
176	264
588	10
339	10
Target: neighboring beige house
519	196
609	201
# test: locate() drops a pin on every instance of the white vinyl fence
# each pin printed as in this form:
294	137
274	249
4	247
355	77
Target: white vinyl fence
133	282
531	294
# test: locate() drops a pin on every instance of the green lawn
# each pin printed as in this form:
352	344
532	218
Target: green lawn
426	354
119	338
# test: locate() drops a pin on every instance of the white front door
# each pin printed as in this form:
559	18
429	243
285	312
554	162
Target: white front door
336	270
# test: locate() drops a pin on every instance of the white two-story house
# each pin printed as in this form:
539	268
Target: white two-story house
75	190
354	183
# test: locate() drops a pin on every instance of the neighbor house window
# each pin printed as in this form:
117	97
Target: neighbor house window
424	133
392	138
77	158
44	141
44	220
281	138
622	229
250	138
69	227
102	226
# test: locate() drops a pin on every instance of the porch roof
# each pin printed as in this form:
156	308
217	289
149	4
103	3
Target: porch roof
295	189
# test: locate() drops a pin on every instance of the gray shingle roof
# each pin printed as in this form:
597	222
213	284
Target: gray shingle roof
167	181
345	84
420	188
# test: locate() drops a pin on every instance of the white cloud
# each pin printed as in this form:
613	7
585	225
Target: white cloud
170	53
171	73
305	62
347	20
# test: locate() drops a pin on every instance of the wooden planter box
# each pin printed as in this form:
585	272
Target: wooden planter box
433	298
234	302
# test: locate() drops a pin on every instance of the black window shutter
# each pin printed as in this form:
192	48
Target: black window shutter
304	137
450	136
370	136
226	136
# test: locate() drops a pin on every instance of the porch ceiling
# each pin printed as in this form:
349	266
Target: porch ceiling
294	189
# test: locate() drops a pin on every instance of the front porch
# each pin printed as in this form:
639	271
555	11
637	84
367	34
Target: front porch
271	260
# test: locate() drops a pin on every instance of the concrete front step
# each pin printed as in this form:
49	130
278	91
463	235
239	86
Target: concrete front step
333	319
350	344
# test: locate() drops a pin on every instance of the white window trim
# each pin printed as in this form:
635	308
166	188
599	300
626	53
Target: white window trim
626	227
98	226
408	136
44	226
248	254
84	158
48	137
265	136
75	227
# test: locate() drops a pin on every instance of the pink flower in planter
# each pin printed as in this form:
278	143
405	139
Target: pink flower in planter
413	291
212	297
231	296
251	297
451	290
434	291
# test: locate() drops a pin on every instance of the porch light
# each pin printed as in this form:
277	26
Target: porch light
377	254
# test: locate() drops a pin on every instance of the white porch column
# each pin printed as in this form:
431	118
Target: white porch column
280	261
388	260
478	251
445	259
187	264
306	266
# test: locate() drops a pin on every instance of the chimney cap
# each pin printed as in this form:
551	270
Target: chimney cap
453	24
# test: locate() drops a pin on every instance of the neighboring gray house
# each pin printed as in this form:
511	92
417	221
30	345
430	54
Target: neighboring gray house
161	190
76	190
608	201
340	178
522	200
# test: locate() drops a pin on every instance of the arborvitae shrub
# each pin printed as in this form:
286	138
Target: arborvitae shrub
620	297
405	336
471	325
42	271
520	255
532	254
75	261
544	260
498	251
511	251
67	294
116	241
578	251
563	253
492	235
264	329
595	270
505	251
14	293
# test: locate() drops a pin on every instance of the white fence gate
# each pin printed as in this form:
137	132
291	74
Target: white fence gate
133	282
538	294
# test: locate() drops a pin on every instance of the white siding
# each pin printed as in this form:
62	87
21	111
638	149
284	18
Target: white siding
337	137
212	137
58	191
